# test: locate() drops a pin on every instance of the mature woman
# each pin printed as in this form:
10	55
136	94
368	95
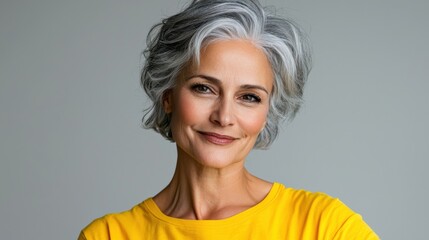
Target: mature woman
222	75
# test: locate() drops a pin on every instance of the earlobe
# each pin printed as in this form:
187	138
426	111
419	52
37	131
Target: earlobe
167	102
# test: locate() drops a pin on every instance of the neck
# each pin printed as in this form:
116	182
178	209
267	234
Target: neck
201	192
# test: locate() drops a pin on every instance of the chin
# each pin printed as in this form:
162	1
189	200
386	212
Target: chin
215	157
218	161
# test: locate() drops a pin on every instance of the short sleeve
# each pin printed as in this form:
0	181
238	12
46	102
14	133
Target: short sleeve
97	230
345	224
81	236
354	228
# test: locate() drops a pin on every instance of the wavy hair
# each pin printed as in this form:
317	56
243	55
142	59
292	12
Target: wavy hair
177	40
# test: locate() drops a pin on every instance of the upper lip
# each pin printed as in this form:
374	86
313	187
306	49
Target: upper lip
218	135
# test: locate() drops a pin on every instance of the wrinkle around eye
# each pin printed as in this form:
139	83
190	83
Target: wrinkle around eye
251	98
201	88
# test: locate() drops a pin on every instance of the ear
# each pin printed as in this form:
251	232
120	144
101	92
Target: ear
167	101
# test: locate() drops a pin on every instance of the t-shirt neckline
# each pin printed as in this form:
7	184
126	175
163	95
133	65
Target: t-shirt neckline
153	209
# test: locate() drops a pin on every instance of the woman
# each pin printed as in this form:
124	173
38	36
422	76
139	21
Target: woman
222	74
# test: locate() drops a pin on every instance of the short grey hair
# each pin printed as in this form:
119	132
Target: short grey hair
177	40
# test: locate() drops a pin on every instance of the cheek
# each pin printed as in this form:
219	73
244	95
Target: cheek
188	110
254	122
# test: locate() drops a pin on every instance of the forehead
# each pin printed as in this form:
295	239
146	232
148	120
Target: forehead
238	60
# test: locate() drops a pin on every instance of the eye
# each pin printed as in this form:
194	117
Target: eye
251	98
201	88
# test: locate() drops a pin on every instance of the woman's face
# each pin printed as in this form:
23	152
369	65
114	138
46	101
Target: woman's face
219	107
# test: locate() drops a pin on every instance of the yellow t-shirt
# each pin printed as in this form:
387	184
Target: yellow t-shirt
285	213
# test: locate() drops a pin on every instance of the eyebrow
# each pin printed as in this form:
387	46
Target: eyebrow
219	82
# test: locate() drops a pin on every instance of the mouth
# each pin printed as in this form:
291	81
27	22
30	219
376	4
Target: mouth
217	139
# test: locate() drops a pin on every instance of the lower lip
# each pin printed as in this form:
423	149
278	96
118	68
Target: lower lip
218	140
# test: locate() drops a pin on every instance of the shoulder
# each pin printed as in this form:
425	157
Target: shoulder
305	200
331	217
114	225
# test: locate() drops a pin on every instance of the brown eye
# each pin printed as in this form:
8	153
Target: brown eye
201	88
252	98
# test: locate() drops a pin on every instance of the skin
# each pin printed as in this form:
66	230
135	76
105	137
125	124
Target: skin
217	110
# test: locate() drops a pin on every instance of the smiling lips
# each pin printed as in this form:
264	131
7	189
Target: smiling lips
217	139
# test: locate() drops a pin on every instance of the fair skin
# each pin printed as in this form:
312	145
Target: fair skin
217	109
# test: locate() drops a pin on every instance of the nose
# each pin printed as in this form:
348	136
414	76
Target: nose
223	113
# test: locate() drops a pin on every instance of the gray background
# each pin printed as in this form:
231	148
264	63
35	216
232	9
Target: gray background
71	146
